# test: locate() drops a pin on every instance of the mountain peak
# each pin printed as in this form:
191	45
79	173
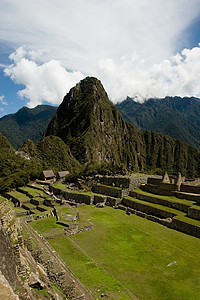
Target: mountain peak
90	124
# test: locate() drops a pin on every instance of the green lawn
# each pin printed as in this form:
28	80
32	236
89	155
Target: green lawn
128	255
47	226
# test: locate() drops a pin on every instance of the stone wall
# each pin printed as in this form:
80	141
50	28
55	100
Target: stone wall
187	196
99	199
122	182
152	180
137	179
7	261
107	190
161	189
182	226
180	206
110	201
194	212
147	208
190	189
36	202
77	197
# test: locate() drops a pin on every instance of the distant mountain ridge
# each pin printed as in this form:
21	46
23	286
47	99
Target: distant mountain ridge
27	123
174	116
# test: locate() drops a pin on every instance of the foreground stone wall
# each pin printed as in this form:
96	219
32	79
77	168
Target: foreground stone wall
107	190
7	261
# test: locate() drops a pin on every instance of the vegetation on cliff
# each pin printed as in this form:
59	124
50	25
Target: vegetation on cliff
14	170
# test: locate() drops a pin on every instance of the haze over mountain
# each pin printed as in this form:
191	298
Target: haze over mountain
26	124
174	116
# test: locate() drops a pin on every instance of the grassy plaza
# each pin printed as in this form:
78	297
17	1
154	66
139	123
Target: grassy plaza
128	257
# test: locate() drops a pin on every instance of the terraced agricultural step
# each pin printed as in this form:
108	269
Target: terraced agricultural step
179	204
149	208
28	206
42	208
188	196
36	202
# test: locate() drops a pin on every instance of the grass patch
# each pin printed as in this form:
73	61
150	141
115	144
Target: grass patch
47	227
20	196
128	253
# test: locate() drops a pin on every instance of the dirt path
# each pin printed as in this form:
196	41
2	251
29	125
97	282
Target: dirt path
44	244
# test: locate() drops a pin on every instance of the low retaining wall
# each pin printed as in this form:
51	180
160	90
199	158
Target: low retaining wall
48	202
182	226
113	201
36	202
99	199
107	190
78	198
194	213
151	199
164	222
187	196
190	189
166	189
170	222
13	199
147	209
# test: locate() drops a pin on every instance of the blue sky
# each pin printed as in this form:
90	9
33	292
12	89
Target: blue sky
135	47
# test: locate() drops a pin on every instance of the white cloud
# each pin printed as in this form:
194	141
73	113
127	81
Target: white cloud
177	76
80	33
129	45
3	101
46	82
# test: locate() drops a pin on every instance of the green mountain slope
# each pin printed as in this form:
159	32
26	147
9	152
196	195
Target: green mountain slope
50	153
19	167
173	116
95	132
26	124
